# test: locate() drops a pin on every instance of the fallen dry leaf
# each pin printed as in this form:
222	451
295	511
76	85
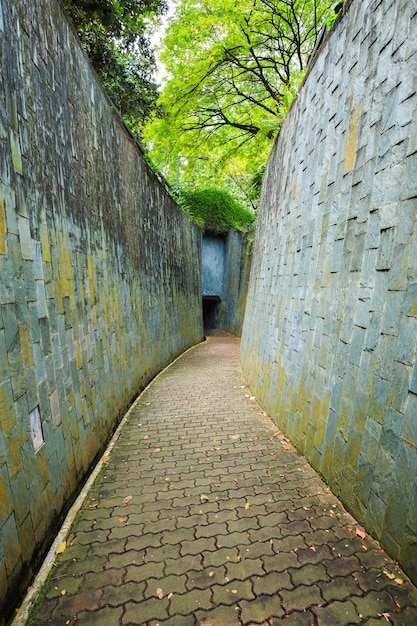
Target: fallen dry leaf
127	499
386	616
360	533
122	519
247	505
287	447
234	590
61	548
159	593
63	592
157	450
211	574
204	498
399	581
389	575
313	548
170	596
105	459
146	437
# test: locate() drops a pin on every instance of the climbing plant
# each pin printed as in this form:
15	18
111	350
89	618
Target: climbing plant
216	210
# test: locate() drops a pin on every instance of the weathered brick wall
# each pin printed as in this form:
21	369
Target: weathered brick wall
100	285
329	338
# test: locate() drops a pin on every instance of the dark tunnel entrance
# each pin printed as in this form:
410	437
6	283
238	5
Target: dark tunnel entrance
210	308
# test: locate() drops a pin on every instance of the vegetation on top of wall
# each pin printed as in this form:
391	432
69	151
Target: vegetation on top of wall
115	36
216	210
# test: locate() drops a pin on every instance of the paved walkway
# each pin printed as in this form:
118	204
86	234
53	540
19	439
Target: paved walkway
205	515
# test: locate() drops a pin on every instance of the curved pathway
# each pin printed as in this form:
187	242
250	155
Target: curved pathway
205	515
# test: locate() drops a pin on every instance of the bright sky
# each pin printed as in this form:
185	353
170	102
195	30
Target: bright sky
157	38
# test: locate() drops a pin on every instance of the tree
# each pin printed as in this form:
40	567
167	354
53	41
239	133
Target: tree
233	69
114	34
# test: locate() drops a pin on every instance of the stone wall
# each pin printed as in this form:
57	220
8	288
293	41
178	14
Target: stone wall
225	267
212	266
329	338
100	280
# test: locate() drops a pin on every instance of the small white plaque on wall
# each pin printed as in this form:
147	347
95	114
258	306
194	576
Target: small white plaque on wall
36	429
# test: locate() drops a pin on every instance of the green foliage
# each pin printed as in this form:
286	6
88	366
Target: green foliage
233	69
114	35
216	210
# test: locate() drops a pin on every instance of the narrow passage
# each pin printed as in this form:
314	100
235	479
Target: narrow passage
205	515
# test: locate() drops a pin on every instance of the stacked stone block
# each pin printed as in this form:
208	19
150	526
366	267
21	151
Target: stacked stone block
99	285
225	270
329	340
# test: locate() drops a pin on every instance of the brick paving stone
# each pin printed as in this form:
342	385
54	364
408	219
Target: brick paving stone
257	510
244	569
192	521
206	578
222	516
220	557
271	583
407	617
370	580
403	594
142	612
261	609
219	616
142	542
242	524
289	543
183	564
124	531
306	618
309	574
177	620
340	588
232	540
104	615
101	548
168	584
337	614
264	534
374	603
233	592
253	550
85	601
198	546
189	602
66	584
301	598
314	554
269	543
132	557
117	596
144	571
342	566
211	530
280	562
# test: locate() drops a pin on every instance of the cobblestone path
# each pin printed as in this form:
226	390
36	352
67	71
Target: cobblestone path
205	515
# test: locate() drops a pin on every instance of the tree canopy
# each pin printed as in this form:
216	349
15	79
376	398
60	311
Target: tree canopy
233	68
115	35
